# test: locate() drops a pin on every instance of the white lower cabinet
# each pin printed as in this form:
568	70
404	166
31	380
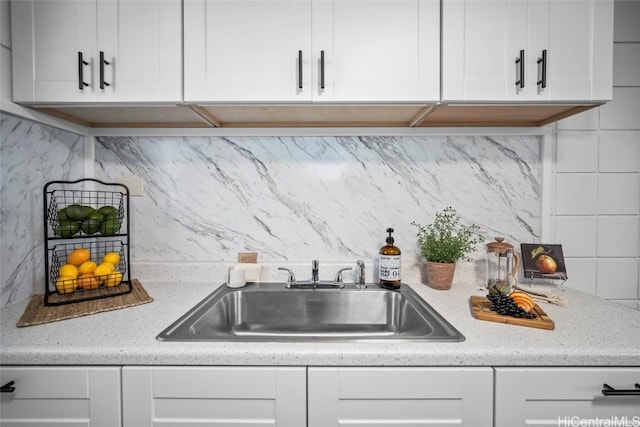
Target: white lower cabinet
60	396
183	396
214	396
566	397
386	397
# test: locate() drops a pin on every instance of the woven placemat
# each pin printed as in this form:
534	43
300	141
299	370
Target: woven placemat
37	313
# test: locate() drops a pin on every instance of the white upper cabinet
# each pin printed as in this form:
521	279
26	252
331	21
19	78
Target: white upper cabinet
527	50
97	51
311	50
381	50
247	50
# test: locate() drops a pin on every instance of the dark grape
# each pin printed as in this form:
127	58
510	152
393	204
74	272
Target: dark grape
504	305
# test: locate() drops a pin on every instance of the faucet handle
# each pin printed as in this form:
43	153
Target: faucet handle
291	280
338	279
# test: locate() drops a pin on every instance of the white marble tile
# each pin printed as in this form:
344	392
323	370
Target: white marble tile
327	198
30	156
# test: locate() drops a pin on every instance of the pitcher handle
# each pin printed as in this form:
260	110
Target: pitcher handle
516	266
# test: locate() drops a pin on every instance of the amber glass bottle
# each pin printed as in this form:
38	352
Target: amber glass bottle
389	264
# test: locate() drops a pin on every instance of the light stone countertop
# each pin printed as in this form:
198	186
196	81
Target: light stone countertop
589	332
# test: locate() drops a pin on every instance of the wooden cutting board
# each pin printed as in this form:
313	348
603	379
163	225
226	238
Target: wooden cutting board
480	309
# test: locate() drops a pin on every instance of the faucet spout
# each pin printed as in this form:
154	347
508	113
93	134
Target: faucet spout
360	280
314	272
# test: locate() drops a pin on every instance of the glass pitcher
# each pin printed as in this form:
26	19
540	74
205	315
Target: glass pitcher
502	266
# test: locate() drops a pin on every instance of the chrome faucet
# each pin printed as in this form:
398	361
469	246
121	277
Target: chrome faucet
360	280
291	281
314	272
338	279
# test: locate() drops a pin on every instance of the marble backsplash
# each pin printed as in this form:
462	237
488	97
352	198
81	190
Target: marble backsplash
30	155
329	198
291	199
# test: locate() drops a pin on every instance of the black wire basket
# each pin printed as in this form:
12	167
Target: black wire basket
86	235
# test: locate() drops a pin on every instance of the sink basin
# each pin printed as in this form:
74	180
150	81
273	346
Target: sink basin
271	312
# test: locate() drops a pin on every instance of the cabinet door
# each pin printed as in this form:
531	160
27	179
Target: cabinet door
195	396
475	49
383	50
492	50
400	396
141	41
56	396
563	396
247	50
47	38
580	50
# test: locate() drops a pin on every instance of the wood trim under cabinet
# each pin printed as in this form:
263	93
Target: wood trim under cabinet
315	115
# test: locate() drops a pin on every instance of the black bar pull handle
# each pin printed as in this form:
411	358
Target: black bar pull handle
543	74
520	62
8	387
299	69
322	69
607	390
103	62
81	63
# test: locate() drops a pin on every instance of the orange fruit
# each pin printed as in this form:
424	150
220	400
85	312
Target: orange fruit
66	285
113	279
78	256
69	270
87	267
88	281
102	271
112	258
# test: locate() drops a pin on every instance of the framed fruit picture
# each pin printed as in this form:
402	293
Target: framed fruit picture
543	261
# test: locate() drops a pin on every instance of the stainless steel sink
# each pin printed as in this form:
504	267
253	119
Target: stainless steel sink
271	312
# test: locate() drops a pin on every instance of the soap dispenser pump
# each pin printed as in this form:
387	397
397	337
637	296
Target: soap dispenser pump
389	264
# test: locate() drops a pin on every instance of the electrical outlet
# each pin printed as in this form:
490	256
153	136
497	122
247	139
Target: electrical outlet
135	184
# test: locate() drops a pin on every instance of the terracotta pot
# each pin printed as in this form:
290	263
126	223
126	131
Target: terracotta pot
440	275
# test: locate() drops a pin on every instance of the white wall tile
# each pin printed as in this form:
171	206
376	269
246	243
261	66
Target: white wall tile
617	278
619	193
587	120
618	236
577	235
626	64
582	274
626	28
619	151
577	151
623	111
576	193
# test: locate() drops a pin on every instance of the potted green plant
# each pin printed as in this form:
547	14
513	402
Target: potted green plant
443	243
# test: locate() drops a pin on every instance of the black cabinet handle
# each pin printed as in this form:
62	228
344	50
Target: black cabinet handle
103	62
299	69
543	61
322	69
81	64
607	390
8	387
520	61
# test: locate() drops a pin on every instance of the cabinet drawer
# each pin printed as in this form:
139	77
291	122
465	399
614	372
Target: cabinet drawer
400	396
55	396
542	396
195	396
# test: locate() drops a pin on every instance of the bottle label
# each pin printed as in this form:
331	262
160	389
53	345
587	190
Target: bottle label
389	267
